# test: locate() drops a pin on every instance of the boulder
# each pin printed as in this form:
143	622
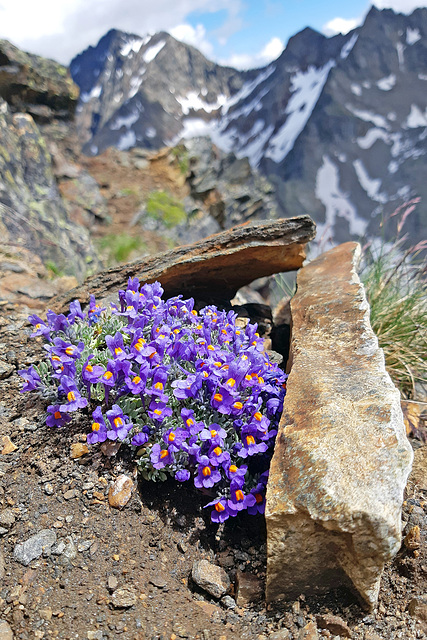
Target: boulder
216	267
36	85
333	506
32	213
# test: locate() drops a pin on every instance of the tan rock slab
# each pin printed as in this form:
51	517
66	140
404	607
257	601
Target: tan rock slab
341	462
216	266
78	449
7	446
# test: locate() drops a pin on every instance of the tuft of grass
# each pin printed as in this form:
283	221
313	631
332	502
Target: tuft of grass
53	270
118	247
162	206
180	154
396	287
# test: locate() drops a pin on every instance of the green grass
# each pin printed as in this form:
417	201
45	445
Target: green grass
396	288
162	206
117	248
180	153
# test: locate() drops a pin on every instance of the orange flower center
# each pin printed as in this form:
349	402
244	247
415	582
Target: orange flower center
206	471
213	433
69	351
163	453
171	436
217	451
231	382
89	368
219	507
96	426
108	375
159	386
136	380
239	495
258	416
189	422
118	350
117	422
70	396
238	405
233	468
258	498
250	440
57	415
158	412
218	397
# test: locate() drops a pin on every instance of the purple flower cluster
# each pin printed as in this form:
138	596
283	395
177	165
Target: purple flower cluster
192	391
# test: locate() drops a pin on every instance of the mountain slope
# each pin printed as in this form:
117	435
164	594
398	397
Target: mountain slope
338	124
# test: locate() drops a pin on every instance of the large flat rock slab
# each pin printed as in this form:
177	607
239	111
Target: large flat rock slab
215	267
342	458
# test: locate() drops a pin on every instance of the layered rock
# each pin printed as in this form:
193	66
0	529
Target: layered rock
36	85
342	458
32	213
212	269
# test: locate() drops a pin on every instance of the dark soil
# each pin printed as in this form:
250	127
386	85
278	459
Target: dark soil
149	546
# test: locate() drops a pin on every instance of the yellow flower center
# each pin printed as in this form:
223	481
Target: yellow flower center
118	350
213	433
159	386
70	396
96	426
239	495
136	380
217	451
219	507
231	382
238	405
258	416
89	368
171	436
189	422
211	348
117	422
56	358
158	412
250	440
107	375
218	397
38	325
69	351
232	468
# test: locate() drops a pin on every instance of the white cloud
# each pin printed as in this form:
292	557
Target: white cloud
194	36
60	29
268	53
400	6
340	25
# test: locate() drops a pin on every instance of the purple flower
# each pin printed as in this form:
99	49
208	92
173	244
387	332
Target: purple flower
31	377
174	438
192	426
250	447
65	350
75	311
160	457
91	374
57	322
222	400
41	329
217	456
158	411
139	439
182	475
116	346
74	399
99	428
156	391
238	499
94	311
221	512
235	473
119	425
57	418
136	382
207	475
214	433
109	378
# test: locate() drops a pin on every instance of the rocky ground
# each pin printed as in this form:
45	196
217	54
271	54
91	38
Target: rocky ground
86	553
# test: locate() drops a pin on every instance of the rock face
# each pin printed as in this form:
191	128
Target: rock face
36	85
342	458
216	267
32	213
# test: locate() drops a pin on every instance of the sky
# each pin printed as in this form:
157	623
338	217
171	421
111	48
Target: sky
241	33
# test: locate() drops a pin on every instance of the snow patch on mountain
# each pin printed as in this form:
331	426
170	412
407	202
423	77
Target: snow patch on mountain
368	116
416	118
336	202
370	185
192	101
94	93
134	45
127	140
386	84
345	51
150	53
125	121
371	136
306	87
412	36
247	89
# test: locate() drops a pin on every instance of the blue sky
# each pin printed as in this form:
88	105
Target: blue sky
244	33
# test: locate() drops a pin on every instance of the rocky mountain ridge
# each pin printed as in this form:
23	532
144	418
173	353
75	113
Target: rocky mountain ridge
337	123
